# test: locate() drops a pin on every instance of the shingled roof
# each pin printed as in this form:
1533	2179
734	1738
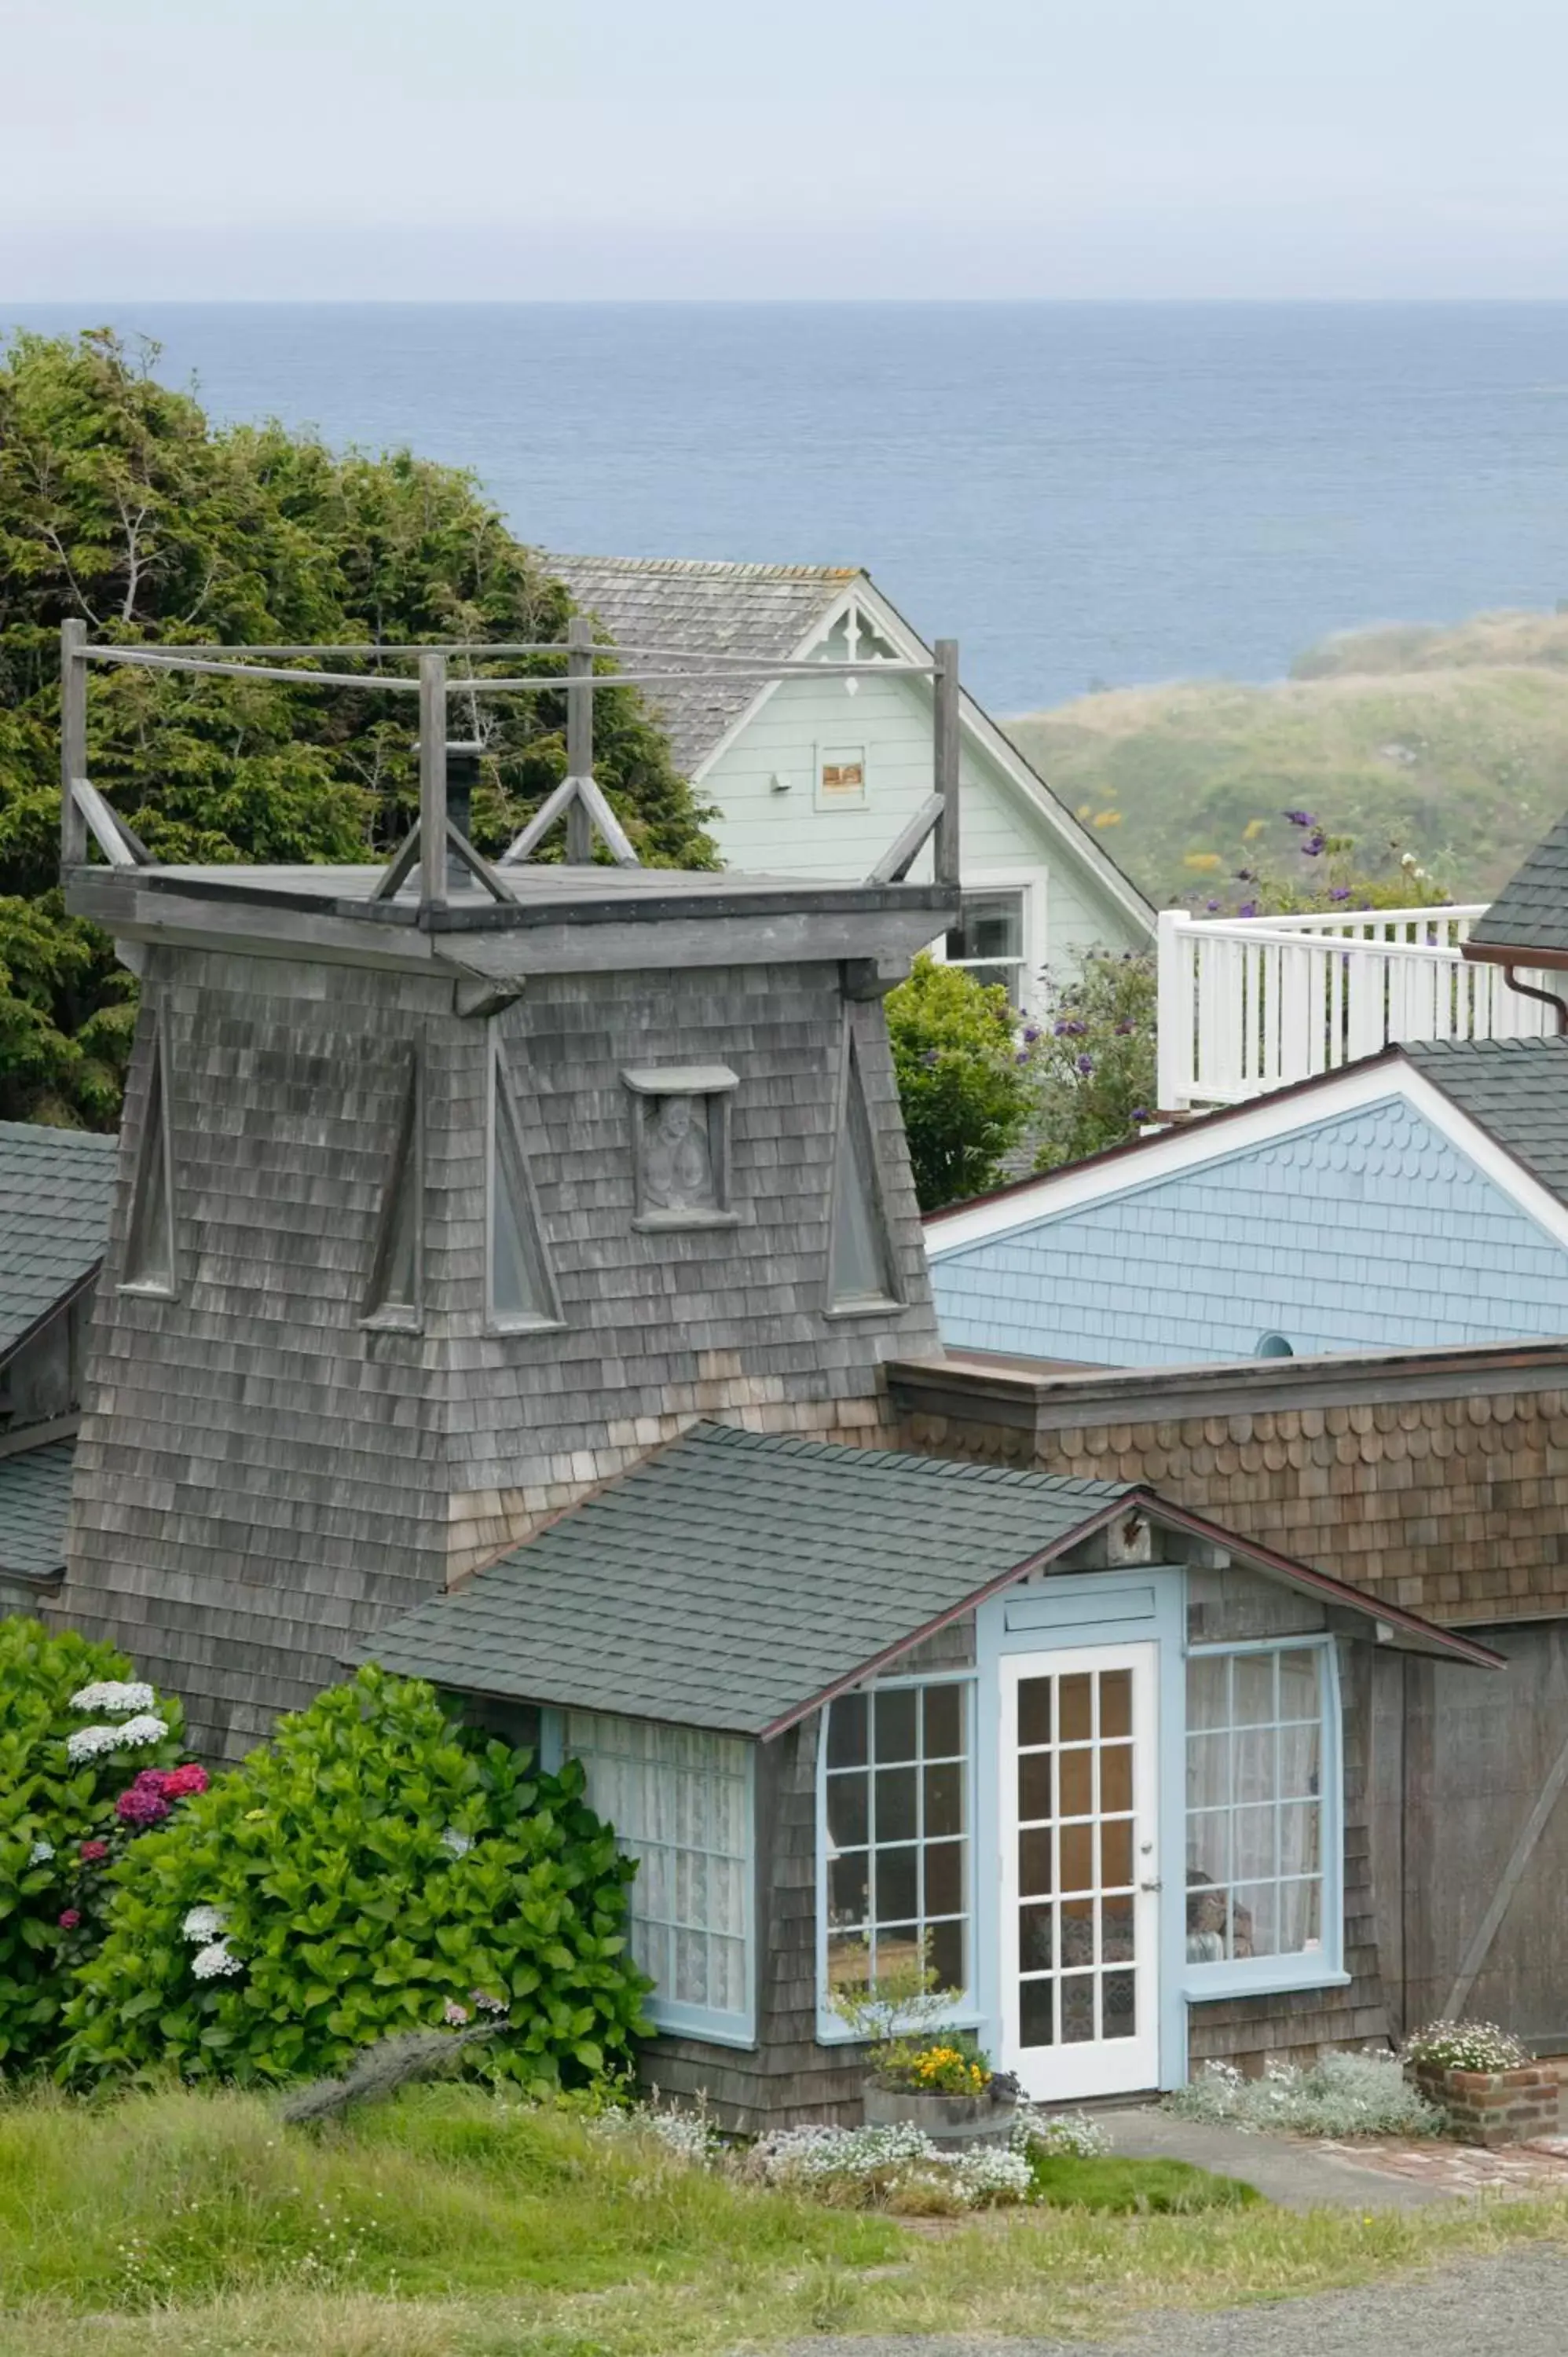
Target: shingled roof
733	1578
1516	1089
703	608
1530	912
35	1492
55	1187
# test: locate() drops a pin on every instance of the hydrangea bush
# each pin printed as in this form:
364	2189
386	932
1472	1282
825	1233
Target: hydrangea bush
376	1867
1466	2046
1340	2095
78	1737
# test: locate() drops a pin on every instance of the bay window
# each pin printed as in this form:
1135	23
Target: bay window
896	1839
1263	1815
680	1800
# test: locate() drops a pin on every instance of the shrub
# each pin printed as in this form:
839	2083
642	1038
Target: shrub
79	1741
962	1080
896	2167
376	1867
1092	1067
1466	2046
1342	2095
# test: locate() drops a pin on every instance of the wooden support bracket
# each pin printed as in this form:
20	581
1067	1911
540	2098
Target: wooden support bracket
572	793
871	977
901	854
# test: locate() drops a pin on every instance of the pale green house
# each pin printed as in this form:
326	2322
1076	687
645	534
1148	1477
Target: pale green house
815	779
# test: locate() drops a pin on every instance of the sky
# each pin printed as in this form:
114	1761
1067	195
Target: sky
789	149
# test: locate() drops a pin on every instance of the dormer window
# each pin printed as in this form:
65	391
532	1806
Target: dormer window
860	1275
149	1245
395	1296
521	1294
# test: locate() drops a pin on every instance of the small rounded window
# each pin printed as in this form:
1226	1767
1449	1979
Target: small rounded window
1273	1346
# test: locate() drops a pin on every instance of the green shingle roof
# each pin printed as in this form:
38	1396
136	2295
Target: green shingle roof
35	1490
1530	912
731	1578
1516	1089
55	1187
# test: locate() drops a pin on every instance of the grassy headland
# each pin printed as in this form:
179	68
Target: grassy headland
1453	741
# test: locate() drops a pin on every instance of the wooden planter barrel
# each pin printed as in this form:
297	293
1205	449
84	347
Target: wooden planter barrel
983	2118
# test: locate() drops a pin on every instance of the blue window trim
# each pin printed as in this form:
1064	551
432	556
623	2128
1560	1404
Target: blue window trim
1311	1968
668	2014
966	2014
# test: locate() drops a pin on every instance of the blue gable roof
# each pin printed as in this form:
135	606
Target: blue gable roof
1365	1230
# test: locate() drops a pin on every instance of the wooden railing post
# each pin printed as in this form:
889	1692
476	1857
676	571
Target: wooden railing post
1173	1017
946	747
73	741
432	780
579	736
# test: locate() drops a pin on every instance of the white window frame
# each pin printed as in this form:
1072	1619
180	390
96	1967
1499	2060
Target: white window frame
964	2014
1319	1967
1033	888
719	2025
832	749
154	1150
505	1135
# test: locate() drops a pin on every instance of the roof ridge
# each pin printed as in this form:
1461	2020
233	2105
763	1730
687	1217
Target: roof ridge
741	567
38	1131
711	1432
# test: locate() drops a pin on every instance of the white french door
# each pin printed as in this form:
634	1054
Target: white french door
1081	1892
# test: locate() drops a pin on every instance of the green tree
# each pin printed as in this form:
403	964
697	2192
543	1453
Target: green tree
962	1079
120	505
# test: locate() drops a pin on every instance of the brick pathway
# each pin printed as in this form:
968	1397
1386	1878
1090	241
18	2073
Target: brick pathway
1541	2167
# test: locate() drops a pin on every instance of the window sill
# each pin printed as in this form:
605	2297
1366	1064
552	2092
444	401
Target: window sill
498	1328
833	2031
1262	1976
392	1321
149	1292
880	1307
654	1223
695	2021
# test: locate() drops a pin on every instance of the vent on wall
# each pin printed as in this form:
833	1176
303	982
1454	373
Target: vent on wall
860	1268
520	1284
395	1296
149	1247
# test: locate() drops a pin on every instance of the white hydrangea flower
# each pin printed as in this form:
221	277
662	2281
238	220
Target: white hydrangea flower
457	1842
205	1923
211	1964
113	1695
41	1852
88	1742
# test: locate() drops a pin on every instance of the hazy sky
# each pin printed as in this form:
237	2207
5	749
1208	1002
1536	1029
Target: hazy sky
561	148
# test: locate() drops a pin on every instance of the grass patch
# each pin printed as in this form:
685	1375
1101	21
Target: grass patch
1119	2188
451	2223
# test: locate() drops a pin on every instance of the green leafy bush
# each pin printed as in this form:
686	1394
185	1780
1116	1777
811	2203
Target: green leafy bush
376	1867
962	1081
1093	1064
59	1825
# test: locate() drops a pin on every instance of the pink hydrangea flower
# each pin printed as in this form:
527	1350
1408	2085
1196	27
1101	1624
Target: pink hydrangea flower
179	1781
93	1853
69	1918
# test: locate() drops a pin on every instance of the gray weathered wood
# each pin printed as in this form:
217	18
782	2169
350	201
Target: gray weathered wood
905	849
145	658
72	742
616	841
540	825
399	867
1486	1930
433	781
579	736
113	837
946	747
479	866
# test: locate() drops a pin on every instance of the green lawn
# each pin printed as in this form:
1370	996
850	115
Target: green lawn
452	2223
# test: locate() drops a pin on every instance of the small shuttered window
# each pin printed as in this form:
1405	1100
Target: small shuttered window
680	1800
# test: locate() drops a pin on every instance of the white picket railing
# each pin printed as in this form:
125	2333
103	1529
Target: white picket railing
1251	1003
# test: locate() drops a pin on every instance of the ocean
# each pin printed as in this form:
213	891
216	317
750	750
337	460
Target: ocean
1085	495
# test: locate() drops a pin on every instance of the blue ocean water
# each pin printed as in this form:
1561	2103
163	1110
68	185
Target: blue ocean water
1083	493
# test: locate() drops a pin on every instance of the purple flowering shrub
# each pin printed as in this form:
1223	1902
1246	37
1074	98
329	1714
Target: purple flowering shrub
1330	872
78	1735
1093	1063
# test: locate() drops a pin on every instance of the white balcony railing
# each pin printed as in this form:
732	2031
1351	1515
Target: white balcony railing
1251	1003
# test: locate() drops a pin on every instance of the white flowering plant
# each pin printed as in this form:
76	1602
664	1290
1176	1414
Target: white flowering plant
896	2168
1465	2046
78	1733
1340	2095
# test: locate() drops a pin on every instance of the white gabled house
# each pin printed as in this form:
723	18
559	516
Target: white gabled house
813	779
